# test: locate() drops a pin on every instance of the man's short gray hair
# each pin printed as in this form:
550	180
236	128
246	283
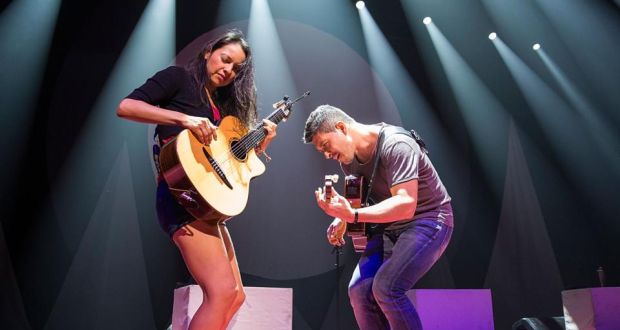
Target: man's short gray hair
323	120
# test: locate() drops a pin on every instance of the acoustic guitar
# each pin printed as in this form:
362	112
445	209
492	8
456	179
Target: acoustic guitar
212	182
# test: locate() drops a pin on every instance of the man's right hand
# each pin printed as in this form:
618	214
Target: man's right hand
335	232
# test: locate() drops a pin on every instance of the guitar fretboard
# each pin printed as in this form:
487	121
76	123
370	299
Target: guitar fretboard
258	134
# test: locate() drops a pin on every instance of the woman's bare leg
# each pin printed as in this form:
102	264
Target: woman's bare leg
204	252
232	258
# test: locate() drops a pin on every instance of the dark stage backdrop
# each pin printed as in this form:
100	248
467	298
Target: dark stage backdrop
529	154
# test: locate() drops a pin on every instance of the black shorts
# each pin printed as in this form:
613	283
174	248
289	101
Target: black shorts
170	213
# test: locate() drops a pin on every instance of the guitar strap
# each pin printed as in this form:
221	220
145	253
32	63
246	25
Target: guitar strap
397	130
414	135
394	130
374	167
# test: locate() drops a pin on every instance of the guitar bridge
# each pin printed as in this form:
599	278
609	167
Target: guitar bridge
217	168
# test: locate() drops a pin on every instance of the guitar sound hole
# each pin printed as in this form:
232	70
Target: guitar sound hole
238	151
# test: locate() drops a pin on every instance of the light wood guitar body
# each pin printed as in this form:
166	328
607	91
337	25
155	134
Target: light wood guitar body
211	182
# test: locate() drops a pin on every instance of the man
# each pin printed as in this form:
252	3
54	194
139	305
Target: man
410	225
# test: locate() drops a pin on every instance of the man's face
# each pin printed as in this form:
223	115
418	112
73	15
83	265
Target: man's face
335	145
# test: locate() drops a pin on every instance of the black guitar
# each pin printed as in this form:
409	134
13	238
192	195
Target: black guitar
354	193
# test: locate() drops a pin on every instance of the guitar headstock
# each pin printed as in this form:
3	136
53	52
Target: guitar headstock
282	103
329	183
285	105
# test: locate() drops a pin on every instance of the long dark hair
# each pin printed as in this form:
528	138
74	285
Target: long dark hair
237	98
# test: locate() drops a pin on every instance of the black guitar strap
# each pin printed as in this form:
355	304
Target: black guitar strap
414	135
378	228
374	167
398	130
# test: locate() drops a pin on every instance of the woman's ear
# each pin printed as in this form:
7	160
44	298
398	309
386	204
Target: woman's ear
207	55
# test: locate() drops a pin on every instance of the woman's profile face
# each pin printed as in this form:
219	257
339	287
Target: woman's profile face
223	64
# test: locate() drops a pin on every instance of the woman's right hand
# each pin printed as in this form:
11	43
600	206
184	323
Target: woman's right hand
202	128
335	232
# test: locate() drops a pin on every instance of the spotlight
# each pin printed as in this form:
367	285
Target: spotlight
427	20
536	47
493	35
360	5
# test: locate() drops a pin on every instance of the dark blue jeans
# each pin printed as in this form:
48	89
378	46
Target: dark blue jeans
391	264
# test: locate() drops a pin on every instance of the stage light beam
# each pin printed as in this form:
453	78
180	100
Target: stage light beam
536	46
390	69
577	152
91	179
492	36
26	33
479	107
427	20
360	5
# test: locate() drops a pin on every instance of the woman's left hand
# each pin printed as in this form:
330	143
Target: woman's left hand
270	129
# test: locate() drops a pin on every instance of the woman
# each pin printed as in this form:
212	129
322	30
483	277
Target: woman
217	83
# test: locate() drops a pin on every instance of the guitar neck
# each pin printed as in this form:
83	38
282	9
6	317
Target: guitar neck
328	187
328	191
275	117
258	134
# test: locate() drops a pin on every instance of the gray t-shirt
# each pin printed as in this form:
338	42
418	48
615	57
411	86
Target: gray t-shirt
402	160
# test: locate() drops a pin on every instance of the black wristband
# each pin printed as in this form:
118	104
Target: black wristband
356	217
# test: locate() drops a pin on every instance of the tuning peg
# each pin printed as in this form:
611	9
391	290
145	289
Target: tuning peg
332	177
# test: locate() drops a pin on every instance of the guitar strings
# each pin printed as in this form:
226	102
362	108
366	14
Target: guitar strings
252	137
226	165
224	162
275	117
